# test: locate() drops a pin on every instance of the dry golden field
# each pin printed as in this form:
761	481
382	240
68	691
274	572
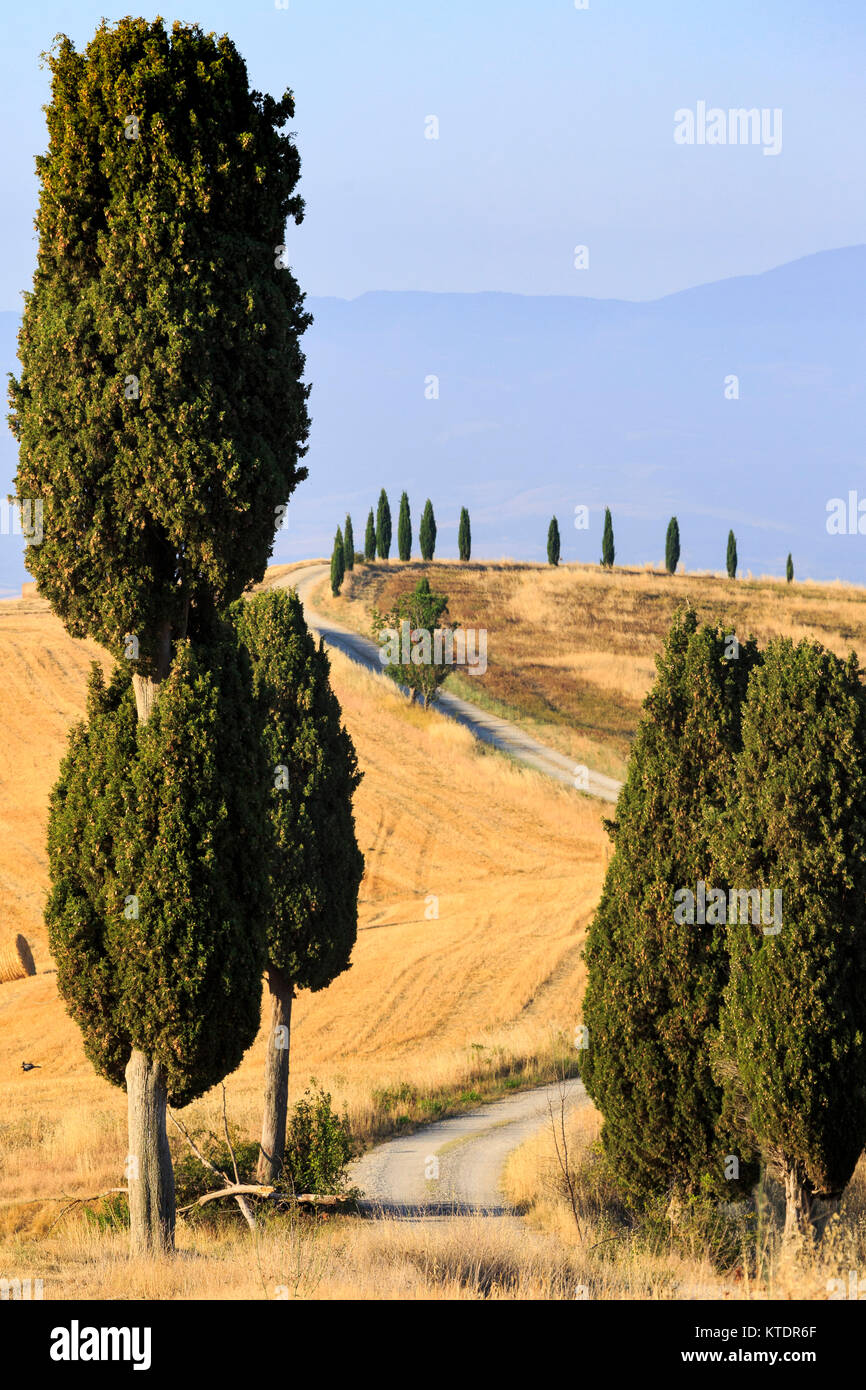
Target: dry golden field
570	650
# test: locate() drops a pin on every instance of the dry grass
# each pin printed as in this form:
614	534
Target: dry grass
571	649
620	1258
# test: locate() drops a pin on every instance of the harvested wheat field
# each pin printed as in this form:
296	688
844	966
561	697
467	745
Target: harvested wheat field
512	864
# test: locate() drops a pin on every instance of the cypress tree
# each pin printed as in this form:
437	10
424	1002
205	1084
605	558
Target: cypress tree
155	918
553	542
427	532
655	980
464	535
793	1023
316	865
164	460
370	539
607	548
732	556
349	544
404	530
789	569
672	546
383	527
338	564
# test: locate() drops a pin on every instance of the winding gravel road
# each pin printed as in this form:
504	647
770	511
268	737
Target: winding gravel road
455	1166
499	733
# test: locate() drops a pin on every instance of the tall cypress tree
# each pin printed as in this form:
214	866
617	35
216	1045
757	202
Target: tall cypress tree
793	1024
672	546
607	548
464	535
553	542
427	532
732	555
349	544
163	461
338	565
370	539
789	569
383	527
655	979
315	865
404	530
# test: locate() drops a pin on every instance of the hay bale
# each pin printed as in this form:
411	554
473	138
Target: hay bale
16	960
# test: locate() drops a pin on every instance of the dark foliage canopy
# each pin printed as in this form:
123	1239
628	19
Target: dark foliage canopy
157	912
315	864
159	409
654	986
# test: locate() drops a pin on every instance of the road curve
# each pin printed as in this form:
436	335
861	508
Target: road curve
499	733
455	1167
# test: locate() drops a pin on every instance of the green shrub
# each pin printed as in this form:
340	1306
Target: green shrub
319	1145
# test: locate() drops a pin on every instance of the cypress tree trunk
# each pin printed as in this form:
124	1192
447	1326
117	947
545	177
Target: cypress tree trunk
146	688
150	1174
798	1204
273	1142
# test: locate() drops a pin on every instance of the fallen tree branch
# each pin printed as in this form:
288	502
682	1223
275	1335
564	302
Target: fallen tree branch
75	1202
237	1190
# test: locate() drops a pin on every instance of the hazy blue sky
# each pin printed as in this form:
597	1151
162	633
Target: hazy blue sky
556	129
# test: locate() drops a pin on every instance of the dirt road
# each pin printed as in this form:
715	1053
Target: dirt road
500	733
456	1165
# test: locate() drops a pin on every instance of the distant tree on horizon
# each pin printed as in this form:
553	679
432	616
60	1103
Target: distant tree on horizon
383	527
370	539
732	556
349	544
553	542
608	552
338	564
464	535
427	532
404	530
789	569
672	546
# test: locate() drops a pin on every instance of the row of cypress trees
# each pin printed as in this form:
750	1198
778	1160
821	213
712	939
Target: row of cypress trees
608	552
672	547
716	1049
378	535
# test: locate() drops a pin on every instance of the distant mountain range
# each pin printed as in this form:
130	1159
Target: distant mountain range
549	403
